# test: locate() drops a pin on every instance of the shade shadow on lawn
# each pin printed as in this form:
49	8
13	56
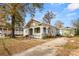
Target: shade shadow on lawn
5	48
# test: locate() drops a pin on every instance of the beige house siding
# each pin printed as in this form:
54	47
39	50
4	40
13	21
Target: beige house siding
33	24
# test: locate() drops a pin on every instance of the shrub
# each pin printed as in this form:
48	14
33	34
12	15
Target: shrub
46	36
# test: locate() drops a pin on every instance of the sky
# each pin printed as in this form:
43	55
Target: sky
65	12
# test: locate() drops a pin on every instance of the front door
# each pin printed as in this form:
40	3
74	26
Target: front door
30	31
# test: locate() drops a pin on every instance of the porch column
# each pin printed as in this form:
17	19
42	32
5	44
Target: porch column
24	32
41	31
33	30
46	30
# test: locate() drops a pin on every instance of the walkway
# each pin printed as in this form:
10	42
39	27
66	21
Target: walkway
46	49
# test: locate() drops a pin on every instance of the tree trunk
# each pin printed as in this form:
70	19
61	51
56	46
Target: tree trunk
13	27
49	31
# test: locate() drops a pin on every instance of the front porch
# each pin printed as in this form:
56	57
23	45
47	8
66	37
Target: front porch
36	32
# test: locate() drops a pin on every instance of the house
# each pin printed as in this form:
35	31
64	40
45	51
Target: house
3	29
19	29
67	31
1	34
37	29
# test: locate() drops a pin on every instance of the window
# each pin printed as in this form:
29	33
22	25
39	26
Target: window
44	29
20	29
37	30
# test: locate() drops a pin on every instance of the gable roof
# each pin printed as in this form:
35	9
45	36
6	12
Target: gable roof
31	20
44	24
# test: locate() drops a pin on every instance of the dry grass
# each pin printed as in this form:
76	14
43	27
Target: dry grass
10	46
63	52
72	45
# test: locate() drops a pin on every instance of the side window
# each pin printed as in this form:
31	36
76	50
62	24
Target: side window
37	30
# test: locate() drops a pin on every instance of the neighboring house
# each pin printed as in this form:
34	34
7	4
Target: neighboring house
19	29
1	34
4	31
37	29
67	31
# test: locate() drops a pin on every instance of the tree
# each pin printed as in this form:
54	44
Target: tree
47	19
59	24
18	11
2	17
76	25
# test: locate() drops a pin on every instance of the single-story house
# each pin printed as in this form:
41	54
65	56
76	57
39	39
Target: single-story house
37	29
67	31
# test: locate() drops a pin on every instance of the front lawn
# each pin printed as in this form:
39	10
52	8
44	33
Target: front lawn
73	43
66	50
9	46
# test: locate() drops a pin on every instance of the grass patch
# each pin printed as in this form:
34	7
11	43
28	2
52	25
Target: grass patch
69	46
72	45
9	46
